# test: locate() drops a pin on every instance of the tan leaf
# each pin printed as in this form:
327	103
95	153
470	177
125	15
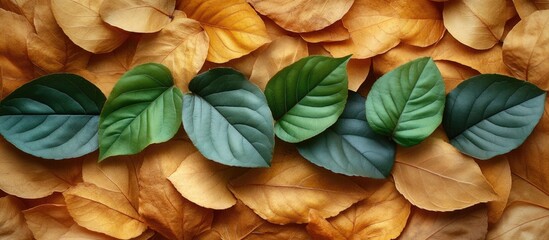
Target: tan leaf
454	73
377	26
26	176
80	20
469	223
333	33
103	211
303	15
271	231
234	28
280	53
291	187
143	16
527	7
521	221
358	70
182	46
498	173
477	24
434	176
526	51
524	191
163	208
320	229
274	30
21	7
12	222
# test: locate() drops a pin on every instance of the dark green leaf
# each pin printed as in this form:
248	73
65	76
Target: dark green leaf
308	96
228	119
54	116
144	107
491	114
407	103
349	146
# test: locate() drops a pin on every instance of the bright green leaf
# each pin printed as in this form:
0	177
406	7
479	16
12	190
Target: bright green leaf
144	107
349	146
308	96
407	103
228	119
54	116
492	114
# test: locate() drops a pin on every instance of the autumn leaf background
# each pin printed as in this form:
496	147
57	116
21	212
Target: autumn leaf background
170	191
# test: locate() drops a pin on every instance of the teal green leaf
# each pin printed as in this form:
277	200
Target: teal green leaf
488	115
349	146
308	96
407	103
144	107
53	117
227	118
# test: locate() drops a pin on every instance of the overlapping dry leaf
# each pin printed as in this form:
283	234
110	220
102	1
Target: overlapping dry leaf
498	173
521	221
143	16
527	7
333	33
12	222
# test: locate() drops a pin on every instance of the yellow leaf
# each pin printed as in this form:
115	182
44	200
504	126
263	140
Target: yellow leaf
477	24
143	16
162	207
291	187
234	28
526	49
303	15
12	222
498	173
80	20
521	221
103	211
527	7
434	176
182	46
333	33
279	53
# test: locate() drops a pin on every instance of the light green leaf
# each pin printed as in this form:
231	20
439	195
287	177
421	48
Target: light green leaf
144	107
407	103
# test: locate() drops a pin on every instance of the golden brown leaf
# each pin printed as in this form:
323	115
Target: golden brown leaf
12	222
163	208
379	25
182	46
234	28
524	191
21	7
333	33
303	15
81	22
291	187
526	49
143	16
279	53
469	223
454	73
477	24
521	221
358	70
320	229
527	7
433	175
103	211
498	173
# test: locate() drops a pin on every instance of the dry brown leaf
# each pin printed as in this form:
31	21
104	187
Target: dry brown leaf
358	70
524	191
291	187
234	28
279	53
477	24
435	176
527	7
21	7
470	223
143	16
303	15
379	25
12	221
274	30
454	73
81	22
103	211
163	208
333	33
182	46
521	221
320	229
498	173
526	49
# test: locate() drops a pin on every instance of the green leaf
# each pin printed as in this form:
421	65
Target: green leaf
53	117
144	107
349	146
308	96
228	119
407	103
492	114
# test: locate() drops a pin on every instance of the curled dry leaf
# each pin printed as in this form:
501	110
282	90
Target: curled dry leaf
291	187
477	24
526	49
81	22
162	207
333	33
527	7
521	221
234	28
303	15
435	176
144	16
498	173
12	221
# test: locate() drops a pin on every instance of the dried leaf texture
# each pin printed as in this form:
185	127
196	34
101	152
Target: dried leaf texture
527	7
524	191
498	173
521	221
12	222
358	70
143	16
333	33
234	28
303	15
454	73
